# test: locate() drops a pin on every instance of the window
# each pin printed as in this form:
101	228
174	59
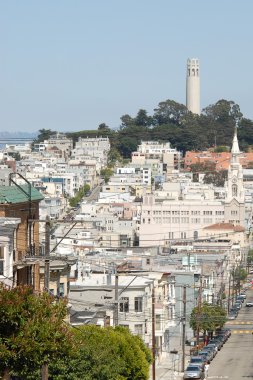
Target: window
234	190
61	289
138	329
124	305
1	260
138	304
125	326
158	322
207	213
171	235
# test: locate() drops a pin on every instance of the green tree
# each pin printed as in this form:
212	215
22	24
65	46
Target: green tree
126	121
207	317
217	178
44	134
239	274
142	119
220	149
15	155
169	111
105	354
250	256
73	202
32	331
106	173
113	157
103	127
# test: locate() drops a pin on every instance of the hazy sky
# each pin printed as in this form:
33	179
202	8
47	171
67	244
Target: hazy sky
69	65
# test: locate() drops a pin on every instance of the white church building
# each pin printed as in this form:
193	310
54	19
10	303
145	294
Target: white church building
164	220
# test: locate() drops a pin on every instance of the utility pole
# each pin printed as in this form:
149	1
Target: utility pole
44	370
47	254
199	307
233	285
153	333
116	307
229	292
184	326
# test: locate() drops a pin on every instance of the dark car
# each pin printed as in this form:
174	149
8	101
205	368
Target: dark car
234	310
199	361
226	333
193	372
207	355
212	346
218	342
238	305
232	316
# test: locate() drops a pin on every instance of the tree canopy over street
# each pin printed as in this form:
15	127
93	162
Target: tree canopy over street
207	317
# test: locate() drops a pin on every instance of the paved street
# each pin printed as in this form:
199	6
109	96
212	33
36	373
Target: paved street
235	360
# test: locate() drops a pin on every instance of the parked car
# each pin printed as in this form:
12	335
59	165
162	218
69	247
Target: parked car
224	332
199	361
193	372
240	298
207	355
231	316
238	305
212	346
219	342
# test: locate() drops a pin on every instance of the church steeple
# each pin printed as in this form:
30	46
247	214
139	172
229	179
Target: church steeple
235	151
235	173
235	198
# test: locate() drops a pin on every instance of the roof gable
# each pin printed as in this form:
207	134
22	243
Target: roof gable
14	194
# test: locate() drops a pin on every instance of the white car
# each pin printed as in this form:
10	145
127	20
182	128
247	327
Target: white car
249	304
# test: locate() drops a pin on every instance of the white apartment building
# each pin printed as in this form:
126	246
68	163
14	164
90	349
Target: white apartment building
97	147
164	220
153	150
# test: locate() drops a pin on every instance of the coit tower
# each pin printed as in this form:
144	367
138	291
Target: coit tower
193	85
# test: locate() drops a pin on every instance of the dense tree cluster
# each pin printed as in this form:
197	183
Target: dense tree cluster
172	122
34	333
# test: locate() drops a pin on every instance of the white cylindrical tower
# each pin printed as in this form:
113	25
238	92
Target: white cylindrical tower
193	85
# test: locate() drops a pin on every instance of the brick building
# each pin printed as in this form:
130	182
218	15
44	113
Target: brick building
22	201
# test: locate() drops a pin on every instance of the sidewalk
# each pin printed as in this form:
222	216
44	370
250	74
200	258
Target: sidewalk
170	366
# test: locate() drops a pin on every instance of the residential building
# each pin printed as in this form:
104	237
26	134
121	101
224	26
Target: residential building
22	202
96	292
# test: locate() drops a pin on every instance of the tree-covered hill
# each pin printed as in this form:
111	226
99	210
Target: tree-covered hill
172	122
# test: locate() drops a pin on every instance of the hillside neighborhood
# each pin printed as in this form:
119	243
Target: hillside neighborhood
126	252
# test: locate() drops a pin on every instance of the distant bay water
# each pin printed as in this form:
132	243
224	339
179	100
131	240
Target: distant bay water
16	138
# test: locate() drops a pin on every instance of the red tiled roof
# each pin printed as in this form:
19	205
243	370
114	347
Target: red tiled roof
225	226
